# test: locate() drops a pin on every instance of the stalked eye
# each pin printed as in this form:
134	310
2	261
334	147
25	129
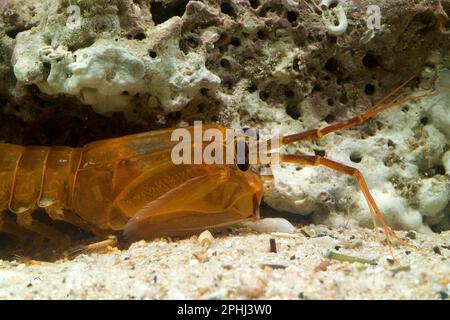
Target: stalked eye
242	155
243	167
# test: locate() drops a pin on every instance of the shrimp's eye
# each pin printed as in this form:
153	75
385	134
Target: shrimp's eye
244	167
242	155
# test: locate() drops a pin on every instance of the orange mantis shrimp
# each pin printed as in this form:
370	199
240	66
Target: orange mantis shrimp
131	186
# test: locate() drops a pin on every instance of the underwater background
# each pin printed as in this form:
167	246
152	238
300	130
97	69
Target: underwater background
77	71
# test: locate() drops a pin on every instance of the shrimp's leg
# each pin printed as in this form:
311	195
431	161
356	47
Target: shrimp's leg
111	241
374	210
315	134
59	214
28	241
10	227
26	221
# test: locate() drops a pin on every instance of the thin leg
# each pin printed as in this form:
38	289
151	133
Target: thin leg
374	210
9	226
315	134
111	241
59	214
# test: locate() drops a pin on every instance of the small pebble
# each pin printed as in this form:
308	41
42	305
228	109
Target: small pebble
201	256
390	261
323	242
443	295
274	266
205	238
323	266
437	250
411	235
252	286
273	246
352	244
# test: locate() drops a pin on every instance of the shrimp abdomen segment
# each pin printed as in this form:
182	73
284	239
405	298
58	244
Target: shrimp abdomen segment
32	177
59	172
9	159
28	179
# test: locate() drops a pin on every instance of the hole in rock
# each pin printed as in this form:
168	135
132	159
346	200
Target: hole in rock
356	157
288	93
235	42
331	65
391	144
262	35
162	11
188	43
201	107
330	119
369	89
264	95
204	91
370	61
424	121
254	3
12	33
293	111
439	170
225	63
295	65
140	36
292	16
343	99
252	88
227	9
320	153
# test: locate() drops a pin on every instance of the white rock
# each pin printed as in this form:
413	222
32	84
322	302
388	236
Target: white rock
270	225
446	162
434	195
108	74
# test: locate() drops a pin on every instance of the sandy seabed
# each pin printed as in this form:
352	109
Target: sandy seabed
240	265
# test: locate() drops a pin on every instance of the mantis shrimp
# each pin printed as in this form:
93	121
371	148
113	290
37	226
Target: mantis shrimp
131	186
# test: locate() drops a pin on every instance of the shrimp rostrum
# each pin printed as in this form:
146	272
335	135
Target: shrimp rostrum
132	186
